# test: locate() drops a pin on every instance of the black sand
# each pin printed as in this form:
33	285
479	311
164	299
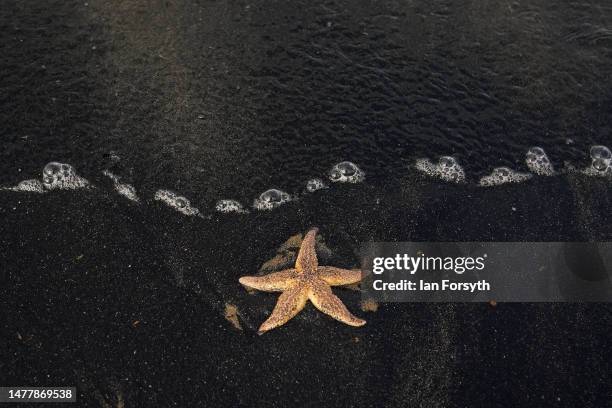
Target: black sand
224	100
79	269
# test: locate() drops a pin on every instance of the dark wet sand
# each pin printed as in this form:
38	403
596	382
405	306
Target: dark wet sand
80	269
220	100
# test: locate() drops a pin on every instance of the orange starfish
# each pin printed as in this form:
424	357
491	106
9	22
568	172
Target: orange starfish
307	281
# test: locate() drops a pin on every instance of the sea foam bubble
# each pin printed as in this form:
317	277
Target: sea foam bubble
62	176
503	175
230	206
55	176
178	202
270	199
315	184
447	169
124	189
601	161
346	172
32	186
538	162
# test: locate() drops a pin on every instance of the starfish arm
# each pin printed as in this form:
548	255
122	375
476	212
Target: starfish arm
289	303
272	282
337	276
307	256
321	295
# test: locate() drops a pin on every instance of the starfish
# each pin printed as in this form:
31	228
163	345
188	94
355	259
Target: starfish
306	281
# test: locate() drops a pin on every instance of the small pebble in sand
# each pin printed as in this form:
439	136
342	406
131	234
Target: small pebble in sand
231	315
369	305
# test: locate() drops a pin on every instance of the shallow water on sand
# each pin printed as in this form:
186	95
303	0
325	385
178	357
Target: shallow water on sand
230	100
